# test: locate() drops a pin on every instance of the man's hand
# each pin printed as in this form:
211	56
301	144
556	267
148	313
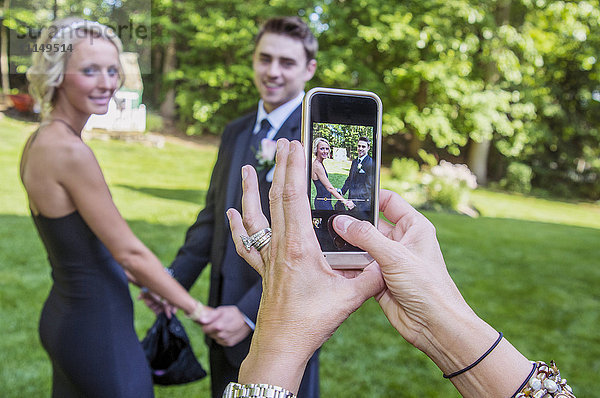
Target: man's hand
156	303
226	325
350	204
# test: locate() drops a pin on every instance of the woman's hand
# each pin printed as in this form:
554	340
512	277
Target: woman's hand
422	302
304	300
418	286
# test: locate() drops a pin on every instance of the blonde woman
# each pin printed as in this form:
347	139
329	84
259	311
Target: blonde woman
320	178
86	324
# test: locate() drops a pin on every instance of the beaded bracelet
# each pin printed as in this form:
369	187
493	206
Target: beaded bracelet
547	383
471	366
197	313
526	380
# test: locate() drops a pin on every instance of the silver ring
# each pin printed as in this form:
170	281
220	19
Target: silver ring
259	239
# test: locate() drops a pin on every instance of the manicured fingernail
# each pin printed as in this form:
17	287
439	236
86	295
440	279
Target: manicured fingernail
292	147
342	222
228	213
244	173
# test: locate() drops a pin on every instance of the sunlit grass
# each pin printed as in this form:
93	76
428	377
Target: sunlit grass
506	205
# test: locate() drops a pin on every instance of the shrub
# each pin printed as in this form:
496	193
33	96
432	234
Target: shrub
443	186
448	185
405	169
154	122
518	178
406	181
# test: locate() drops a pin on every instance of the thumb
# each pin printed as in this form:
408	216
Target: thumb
365	236
369	283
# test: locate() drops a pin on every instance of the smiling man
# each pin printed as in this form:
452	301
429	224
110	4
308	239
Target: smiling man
283	61
360	179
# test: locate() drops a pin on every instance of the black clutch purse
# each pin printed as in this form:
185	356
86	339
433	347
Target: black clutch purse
169	353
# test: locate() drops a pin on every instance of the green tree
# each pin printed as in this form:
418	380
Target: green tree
343	136
214	42
425	60
565	89
129	18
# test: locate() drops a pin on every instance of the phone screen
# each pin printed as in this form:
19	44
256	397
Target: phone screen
343	138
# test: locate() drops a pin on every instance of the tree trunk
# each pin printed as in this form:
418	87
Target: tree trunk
157	73
415	142
477	157
4	62
167	108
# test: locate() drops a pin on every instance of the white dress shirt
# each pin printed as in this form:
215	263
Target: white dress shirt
278	116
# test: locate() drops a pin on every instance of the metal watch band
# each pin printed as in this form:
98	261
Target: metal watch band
235	390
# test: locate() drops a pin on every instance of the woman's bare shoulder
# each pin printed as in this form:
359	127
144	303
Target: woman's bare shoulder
317	169
51	158
61	146
57	155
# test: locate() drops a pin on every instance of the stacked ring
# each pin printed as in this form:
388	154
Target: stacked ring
259	239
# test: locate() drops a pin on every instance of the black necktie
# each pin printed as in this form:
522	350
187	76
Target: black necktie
265	126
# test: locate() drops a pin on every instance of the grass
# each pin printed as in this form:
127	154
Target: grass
530	267
505	205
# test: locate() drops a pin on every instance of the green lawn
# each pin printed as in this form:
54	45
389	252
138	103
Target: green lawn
528	266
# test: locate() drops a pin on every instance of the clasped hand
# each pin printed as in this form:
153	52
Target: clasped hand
224	324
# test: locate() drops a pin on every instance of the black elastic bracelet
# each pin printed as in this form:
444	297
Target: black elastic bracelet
526	381
471	366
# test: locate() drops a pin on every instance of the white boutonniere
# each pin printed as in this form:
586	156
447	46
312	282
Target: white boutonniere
265	156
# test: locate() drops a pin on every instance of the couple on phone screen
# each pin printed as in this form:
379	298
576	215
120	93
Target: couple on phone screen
358	184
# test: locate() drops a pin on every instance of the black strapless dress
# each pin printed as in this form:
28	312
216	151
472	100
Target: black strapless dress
86	324
323	196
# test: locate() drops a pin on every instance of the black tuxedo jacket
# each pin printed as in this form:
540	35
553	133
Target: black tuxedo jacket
208	240
360	184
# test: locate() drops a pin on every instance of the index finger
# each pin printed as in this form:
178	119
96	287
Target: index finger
295	198
253	217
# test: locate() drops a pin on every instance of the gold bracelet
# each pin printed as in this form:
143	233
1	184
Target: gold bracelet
547	383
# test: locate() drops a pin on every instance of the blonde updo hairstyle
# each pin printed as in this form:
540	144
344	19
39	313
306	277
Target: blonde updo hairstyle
316	143
48	67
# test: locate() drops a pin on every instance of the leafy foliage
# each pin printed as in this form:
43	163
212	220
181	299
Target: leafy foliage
344	136
214	47
424	59
521	74
518	178
565	89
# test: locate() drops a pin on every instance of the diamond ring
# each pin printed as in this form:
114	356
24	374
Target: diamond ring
259	239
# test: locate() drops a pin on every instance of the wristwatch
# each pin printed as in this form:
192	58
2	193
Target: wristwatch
235	390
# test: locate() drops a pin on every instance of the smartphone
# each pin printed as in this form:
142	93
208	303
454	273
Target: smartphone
341	133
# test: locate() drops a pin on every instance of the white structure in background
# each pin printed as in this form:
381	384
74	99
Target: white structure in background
340	154
125	110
